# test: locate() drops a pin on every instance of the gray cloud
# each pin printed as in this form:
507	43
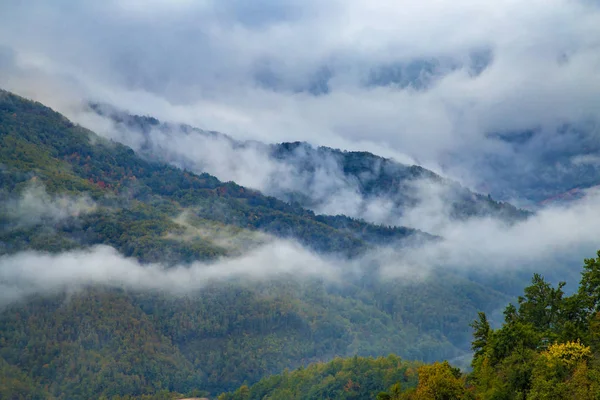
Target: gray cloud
422	81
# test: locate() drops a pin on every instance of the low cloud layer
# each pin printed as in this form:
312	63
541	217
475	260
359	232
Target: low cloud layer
553	242
31	273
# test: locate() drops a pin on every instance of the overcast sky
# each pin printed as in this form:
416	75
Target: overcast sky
422	81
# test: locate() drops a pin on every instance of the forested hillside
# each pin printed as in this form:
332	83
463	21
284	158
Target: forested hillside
320	174
350	378
547	348
63	188
381	178
40	144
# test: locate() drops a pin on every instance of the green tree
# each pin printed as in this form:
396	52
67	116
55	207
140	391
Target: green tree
481	333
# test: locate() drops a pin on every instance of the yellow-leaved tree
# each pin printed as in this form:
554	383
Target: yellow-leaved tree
440	381
561	372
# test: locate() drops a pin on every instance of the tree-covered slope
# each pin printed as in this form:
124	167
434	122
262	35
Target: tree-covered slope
547	348
38	142
64	188
93	343
215	340
380	178
351	378
319	174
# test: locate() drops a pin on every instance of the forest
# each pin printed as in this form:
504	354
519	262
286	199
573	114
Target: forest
547	348
277	338
371	176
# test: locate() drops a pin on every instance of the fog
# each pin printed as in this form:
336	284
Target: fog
28	273
315	177
553	242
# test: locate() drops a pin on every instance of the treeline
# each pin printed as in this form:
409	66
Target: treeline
548	346
377	177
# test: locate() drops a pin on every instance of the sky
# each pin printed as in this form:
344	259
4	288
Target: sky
450	85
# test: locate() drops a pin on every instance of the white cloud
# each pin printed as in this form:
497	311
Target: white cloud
197	62
28	273
553	242
556	239
34	205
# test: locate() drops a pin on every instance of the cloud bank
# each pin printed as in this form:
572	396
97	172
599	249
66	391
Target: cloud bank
28	273
556	239
424	81
553	242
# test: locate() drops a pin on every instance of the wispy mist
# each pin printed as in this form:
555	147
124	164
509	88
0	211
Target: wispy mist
35	205
30	273
315	177
554	241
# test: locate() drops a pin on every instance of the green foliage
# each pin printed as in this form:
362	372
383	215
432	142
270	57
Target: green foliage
527	358
481	334
440	381
38	143
97	343
15	384
544	348
351	378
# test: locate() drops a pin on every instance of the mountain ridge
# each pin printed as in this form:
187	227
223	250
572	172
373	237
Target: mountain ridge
347	173
132	205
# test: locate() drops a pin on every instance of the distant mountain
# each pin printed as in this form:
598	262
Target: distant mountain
36	142
536	166
384	179
322	179
63	188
